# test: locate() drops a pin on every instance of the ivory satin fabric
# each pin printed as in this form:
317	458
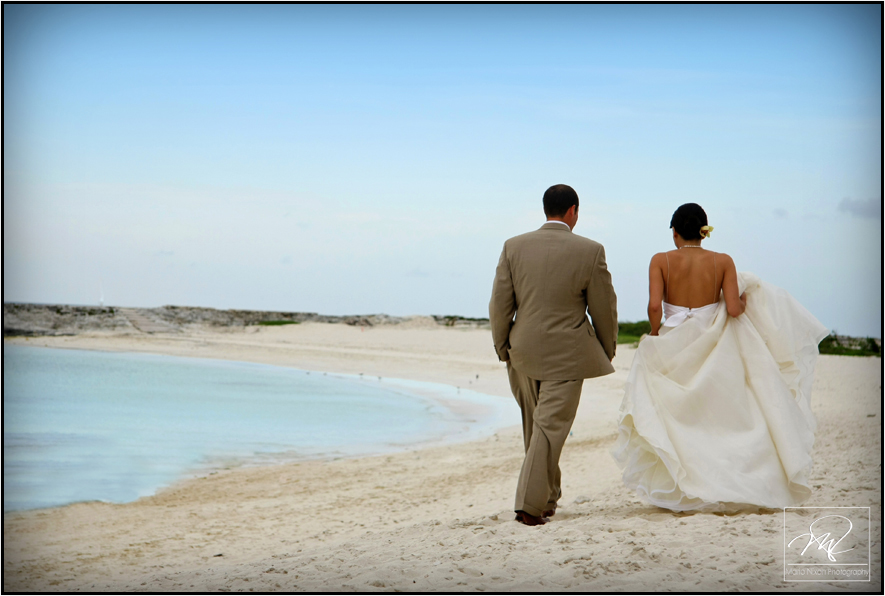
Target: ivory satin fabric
716	412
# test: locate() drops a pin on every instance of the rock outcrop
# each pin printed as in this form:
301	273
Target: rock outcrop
50	319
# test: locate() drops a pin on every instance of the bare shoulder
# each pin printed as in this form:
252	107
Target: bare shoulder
658	260
723	257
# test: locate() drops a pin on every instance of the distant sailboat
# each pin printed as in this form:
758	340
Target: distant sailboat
101	297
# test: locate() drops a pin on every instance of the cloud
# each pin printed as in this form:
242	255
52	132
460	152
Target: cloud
781	213
869	209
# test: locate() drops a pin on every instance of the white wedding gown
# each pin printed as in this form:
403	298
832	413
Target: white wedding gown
717	410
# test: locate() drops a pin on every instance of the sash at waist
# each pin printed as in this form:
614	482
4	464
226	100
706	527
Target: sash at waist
679	314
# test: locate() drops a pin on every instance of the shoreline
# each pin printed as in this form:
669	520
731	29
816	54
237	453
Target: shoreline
437	518
460	416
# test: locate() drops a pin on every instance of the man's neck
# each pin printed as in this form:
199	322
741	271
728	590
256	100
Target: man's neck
559	221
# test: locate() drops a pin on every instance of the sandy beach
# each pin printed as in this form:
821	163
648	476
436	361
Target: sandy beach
440	518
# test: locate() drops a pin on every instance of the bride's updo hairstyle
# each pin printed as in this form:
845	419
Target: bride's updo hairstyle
687	221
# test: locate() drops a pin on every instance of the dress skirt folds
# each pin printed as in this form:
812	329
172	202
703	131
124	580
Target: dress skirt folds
716	412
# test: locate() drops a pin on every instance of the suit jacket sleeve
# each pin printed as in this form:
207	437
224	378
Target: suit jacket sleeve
502	307
602	304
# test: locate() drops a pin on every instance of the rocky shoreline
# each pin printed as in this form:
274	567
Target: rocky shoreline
31	320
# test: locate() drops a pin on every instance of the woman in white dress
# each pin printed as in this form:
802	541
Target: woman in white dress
716	412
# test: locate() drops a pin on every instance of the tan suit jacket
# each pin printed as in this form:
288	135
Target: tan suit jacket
551	279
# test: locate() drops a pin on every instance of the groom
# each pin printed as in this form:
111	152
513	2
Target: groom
550	279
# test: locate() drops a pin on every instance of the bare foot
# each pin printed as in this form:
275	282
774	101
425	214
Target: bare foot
549	513
529	519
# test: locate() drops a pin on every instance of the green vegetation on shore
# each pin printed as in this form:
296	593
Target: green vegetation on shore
452	320
849	346
629	333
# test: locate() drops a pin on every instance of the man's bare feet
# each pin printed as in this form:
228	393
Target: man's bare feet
529	519
549	513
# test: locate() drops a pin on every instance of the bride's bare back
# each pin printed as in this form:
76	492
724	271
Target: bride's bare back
691	277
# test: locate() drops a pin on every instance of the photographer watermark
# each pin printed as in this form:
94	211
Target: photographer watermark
827	544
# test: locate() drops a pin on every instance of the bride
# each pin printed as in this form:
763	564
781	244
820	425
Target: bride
716	412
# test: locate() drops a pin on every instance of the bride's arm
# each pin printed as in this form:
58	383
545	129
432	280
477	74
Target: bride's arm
655	292
734	302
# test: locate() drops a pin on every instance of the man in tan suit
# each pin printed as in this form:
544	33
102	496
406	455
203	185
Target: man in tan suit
549	280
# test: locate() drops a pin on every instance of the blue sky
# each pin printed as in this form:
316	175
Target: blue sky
351	159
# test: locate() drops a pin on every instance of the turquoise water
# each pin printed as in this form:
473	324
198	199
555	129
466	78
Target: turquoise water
83	425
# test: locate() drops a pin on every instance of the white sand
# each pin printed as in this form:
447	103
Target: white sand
437	519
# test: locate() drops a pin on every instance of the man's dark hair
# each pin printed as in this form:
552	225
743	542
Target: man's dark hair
558	199
687	221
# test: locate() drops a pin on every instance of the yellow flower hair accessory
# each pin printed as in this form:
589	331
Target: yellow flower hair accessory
706	230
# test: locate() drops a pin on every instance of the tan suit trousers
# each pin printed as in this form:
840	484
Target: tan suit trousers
548	411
